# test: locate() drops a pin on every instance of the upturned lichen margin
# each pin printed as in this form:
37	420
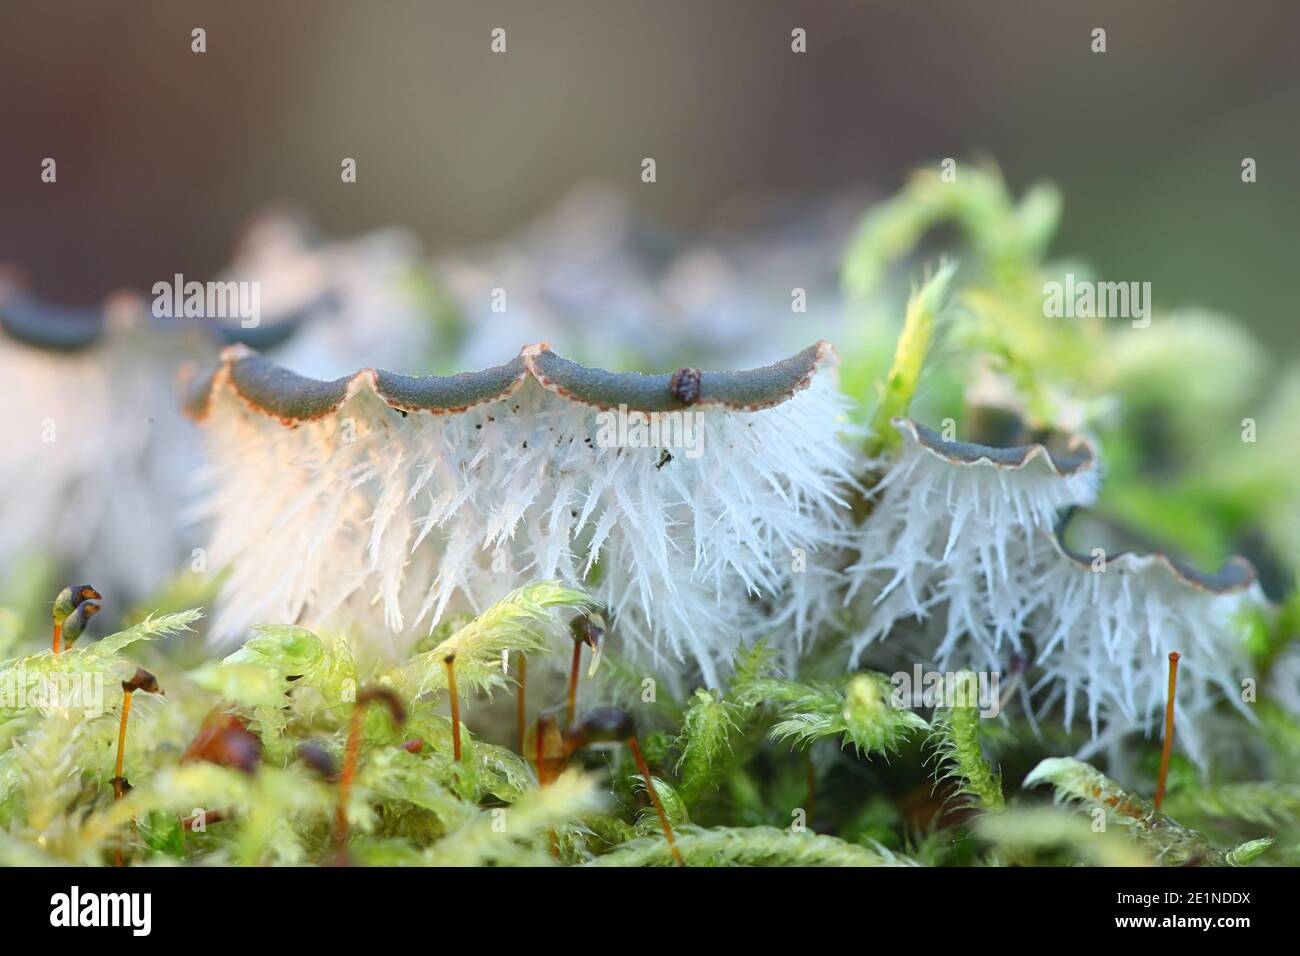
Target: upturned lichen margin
1078	456
1236	574
275	391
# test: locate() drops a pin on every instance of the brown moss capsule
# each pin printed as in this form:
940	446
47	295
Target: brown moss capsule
314	755
584	630
70	616
141	680
601	725
225	740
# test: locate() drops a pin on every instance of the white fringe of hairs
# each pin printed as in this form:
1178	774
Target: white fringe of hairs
967	547
958	539
96	462
1105	639
377	524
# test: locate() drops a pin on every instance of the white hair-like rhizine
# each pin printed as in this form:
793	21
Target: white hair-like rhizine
98	460
377	523
959	540
967	546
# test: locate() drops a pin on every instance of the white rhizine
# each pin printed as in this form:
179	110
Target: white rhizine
1284	681
1104	639
968	548
376	524
107	498
960	540
97	461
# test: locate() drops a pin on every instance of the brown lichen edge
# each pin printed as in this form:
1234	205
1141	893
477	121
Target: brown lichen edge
279	393
1236	575
76	329
1080	457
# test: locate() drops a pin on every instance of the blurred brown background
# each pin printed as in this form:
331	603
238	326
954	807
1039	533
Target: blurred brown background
163	154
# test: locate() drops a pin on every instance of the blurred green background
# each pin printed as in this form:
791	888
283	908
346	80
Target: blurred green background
163	154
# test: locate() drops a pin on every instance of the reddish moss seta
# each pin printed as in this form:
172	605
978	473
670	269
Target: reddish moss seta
215	816
350	754
521	724
1169	730
572	706
612	725
352	751
583	630
540	756
118	780
654	799
141	680
450	662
